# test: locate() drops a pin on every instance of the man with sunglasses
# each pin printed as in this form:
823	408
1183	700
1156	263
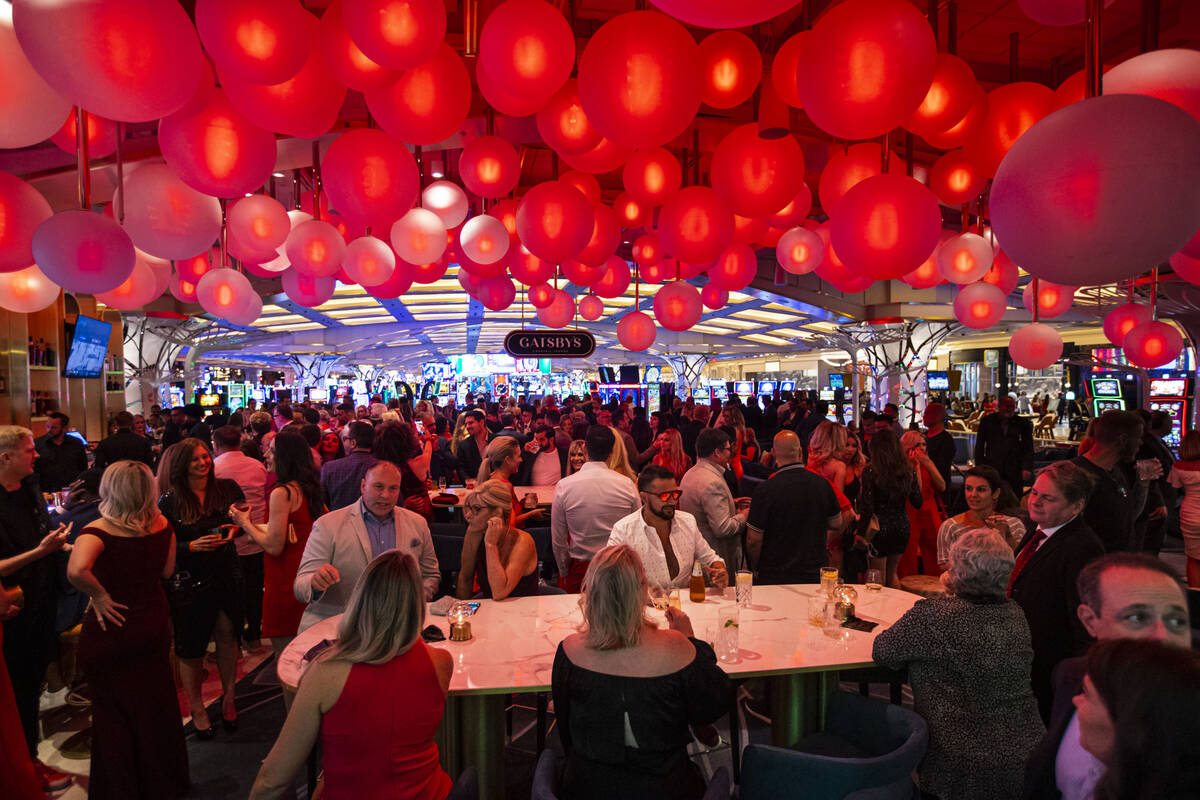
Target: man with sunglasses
667	539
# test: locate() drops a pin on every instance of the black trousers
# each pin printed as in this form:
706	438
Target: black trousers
252	583
29	647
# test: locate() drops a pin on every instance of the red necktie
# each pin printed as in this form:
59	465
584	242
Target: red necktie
1023	557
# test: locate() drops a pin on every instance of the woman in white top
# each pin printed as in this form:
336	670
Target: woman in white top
1185	475
982	490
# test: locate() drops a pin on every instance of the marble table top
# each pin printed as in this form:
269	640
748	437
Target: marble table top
514	640
545	494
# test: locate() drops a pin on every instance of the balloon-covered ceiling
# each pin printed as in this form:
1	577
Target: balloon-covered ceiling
683	175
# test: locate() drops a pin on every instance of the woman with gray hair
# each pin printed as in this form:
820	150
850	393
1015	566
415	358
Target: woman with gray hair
968	656
626	691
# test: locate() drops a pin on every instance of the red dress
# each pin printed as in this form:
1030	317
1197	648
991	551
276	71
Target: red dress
923	524
281	610
378	737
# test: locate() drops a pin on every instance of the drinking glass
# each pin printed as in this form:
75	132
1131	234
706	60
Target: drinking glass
470	483
673	600
442	483
816	609
873	579
727	634
745	588
659	598
829	579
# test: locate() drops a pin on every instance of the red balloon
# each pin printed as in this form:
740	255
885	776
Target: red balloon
1116	174
305	105
854	285
427	273
664	270
398	283
794	213
428	103
1172	75
307	290
27	290
585	182
506	212
1122	319
979	305
604	157
128	60
496	293
83	252
734	268
965	258
955	179
582	274
651	176
559	312
959	132
1035	346
30	111
182	289
469	281
397	34
647	250
714	297
1004	273
167	218
723	14
640	79
528	48
754	176
1186	267
141	287
315	248
371	178
677	306
218	151
695	225
1052	299
348	63
1152	344
949	98
555	221
636	331
606	235
258	41
732	68
224	292
528	268
749	230
194	268
846	170
503	101
489	166
784	69
799	251
867	67
831	267
541	295
259	222
1012	110
101	136
22	210
886	226
591	307
369	261
632	213
615	279
927	275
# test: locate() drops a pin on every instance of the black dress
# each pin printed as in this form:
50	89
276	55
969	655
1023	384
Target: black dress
888	507
206	582
526	587
593	709
137	744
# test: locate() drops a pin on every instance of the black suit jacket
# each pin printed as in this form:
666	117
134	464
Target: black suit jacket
1046	592
469	458
124	445
1039	769
524	475
1010	452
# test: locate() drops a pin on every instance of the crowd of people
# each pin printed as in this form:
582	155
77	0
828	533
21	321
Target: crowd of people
214	533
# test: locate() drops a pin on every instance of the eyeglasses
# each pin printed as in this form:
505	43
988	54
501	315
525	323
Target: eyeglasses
666	497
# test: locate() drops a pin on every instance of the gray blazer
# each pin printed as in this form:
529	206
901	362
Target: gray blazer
340	538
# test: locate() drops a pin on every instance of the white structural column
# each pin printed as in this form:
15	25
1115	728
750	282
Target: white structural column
688	368
900	363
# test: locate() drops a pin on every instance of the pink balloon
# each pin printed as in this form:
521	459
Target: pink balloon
429	272
489	166
640	79
755	176
30	110
615	279
218	151
259	222
101	135
965	258
799	251
142	286
979	305
1122	319
308	290
22	210
399	34
1152	344
886	226
1100	189
484	240
349	64
606	235
677	306
636	331
166	217
315	248
182	289
591	307
1035	346
129	60
223	291
1053	299
555	221
192	269
448	201
399	282
928	275
249	310
428	103
695	225
27	290
496	293
1186	267
1172	75
258	41
305	105
369	261
528	268
734	269
371	177
867	66
83	252
528	48
419	237
724	14
714	297
1004	273
559	312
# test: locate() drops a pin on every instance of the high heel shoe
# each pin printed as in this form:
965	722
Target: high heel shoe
204	734
228	724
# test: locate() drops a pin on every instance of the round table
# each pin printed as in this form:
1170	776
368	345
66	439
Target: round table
924	585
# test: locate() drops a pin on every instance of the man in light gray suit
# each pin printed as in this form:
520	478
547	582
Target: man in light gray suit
344	541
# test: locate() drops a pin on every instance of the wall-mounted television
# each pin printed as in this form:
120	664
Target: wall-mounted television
1106	387
837	380
937	381
89	346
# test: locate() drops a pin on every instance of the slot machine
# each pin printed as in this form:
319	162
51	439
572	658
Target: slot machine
1106	395
743	389
1172	395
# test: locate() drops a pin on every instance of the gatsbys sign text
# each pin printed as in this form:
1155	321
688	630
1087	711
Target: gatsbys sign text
549	344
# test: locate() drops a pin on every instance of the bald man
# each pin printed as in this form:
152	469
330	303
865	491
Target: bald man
793	514
344	541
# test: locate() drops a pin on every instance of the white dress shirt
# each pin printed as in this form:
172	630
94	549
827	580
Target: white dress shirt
586	506
1076	771
686	541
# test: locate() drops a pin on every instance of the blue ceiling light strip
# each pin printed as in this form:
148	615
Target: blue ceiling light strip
402	315
474	322
310	314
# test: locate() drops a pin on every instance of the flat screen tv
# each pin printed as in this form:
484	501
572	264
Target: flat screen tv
89	346
629	374
937	381
837	381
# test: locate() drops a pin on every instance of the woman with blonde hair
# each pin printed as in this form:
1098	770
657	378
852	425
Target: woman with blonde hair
120	562
375	699
503	559
576	456
670	453
625	691
618	459
825	448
